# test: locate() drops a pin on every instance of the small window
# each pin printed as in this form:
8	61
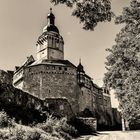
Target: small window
66	69
61	107
60	68
82	92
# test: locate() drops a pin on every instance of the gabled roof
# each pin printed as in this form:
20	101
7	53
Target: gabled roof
29	61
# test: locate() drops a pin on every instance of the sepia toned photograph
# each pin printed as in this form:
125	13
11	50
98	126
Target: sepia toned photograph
69	69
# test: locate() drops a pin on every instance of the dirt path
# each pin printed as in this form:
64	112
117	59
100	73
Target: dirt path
114	135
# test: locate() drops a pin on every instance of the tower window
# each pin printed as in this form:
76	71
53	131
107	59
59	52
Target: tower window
61	107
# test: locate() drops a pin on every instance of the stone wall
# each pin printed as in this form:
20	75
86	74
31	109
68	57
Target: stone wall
55	54
59	107
107	101
23	106
85	99
91	122
47	81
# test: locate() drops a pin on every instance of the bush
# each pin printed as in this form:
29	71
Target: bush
34	135
18	133
68	128
51	129
58	127
4	119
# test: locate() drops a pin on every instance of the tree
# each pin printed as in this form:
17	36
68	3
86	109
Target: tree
89	12
123	63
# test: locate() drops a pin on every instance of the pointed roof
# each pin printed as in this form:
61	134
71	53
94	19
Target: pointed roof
29	61
51	23
80	67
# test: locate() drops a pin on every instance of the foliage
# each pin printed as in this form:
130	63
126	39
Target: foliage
5	120
51	129
18	133
123	63
89	12
59	128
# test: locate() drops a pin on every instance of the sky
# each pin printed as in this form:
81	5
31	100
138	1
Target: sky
22	21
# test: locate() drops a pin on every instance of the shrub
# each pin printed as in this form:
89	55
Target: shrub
34	135
4	119
48	125
63	126
18	133
58	127
51	129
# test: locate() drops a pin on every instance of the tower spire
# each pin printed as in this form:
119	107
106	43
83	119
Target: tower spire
80	66
50	23
51	18
50	10
79	60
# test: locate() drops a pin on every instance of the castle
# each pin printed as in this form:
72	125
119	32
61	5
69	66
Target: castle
51	76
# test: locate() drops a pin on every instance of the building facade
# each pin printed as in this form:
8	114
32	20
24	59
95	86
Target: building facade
51	76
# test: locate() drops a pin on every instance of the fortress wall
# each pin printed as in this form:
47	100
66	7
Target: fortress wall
85	99
48	81
59	107
27	108
107	102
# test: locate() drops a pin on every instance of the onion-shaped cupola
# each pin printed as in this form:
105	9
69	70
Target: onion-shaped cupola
51	23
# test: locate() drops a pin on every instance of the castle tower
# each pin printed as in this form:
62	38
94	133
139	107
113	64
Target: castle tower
80	73
50	44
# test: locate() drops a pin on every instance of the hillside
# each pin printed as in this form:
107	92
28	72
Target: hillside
51	129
